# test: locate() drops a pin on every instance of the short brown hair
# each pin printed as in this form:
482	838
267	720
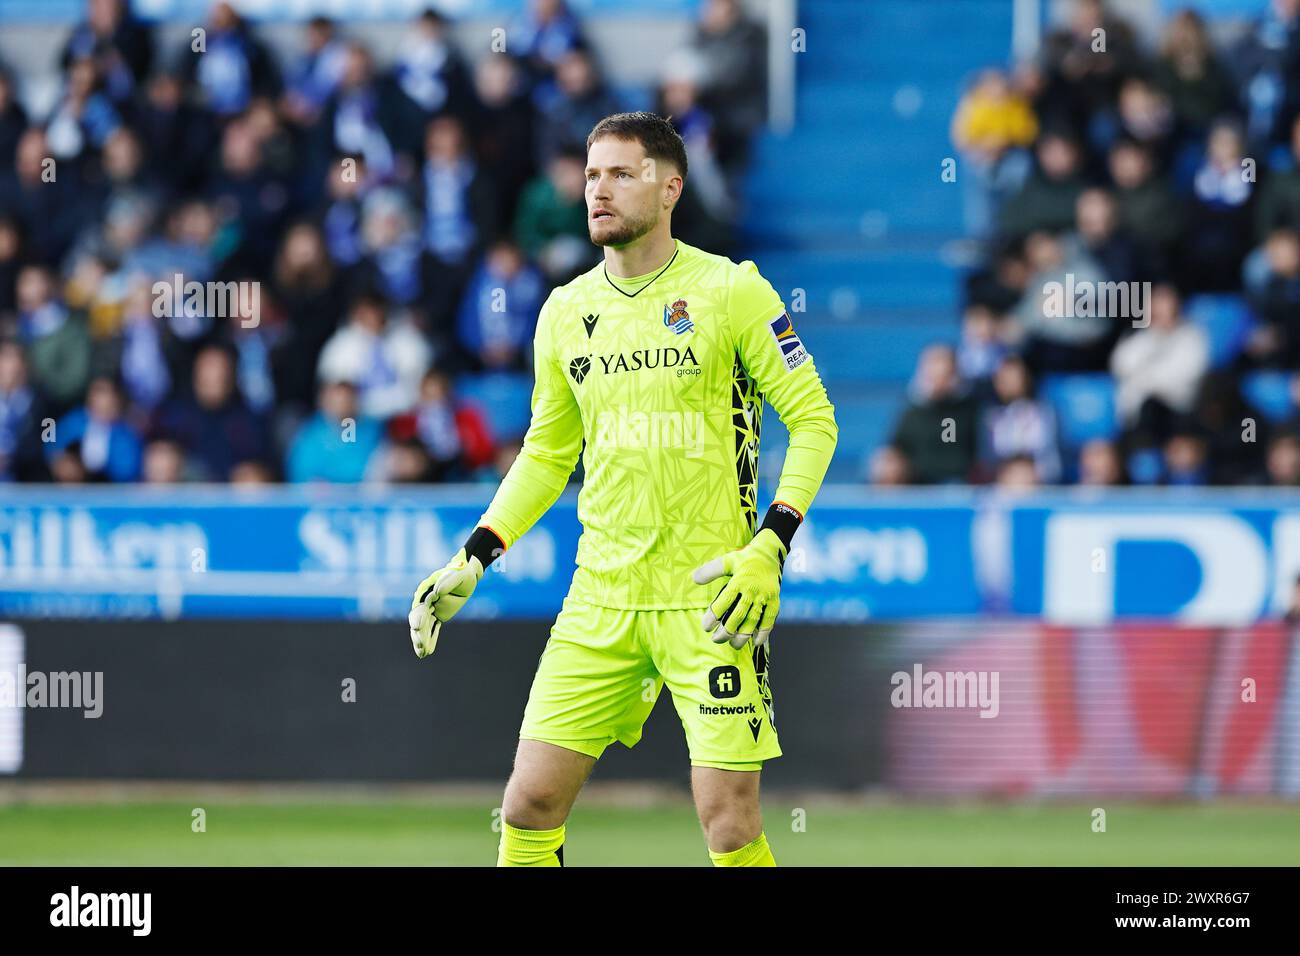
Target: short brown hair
655	134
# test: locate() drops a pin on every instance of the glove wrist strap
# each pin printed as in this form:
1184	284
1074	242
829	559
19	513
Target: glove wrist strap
484	545
783	520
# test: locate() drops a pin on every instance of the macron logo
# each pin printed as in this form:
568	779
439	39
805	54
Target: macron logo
102	909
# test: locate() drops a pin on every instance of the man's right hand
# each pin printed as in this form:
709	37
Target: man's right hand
439	597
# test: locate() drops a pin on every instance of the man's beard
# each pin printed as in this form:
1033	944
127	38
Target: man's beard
631	230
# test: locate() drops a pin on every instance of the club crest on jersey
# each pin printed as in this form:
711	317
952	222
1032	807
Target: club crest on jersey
787	340
677	318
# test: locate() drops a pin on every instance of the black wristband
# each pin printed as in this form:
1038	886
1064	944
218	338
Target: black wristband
783	520
484	545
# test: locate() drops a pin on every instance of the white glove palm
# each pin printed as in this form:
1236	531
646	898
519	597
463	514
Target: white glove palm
438	598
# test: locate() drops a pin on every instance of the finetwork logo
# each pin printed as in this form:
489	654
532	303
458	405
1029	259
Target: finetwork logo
947	689
73	909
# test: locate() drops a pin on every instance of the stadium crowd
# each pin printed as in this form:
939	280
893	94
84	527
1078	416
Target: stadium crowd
397	225
1101	161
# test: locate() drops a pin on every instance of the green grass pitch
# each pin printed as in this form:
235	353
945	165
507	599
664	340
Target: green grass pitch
459	832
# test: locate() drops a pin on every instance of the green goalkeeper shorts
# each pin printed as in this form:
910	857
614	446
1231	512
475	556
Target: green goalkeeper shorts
602	669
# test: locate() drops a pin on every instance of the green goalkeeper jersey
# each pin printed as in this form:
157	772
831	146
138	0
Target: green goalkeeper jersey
662	378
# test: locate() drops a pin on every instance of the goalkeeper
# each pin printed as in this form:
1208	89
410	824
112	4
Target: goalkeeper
659	359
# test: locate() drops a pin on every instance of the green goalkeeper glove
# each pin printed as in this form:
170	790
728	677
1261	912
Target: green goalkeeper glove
439	597
748	603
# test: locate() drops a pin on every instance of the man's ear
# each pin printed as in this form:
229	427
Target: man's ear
673	187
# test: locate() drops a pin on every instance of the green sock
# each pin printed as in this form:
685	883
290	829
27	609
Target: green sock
757	853
530	847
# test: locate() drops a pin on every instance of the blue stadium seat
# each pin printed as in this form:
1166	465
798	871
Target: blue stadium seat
1269	393
1227	321
505	398
875	353
1085	406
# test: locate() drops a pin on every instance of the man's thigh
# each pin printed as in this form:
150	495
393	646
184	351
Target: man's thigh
721	694
595	682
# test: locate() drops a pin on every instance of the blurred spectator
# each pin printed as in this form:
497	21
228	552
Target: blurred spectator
164	463
384	358
1186	457
1268	61
734	89
570	105
982	347
394	263
1278	206
231	66
1283	460
1093	70
429	71
337	443
317	74
1017	474
1059	332
1100	464
43	202
107	447
1101	238
84	117
141	350
1019	425
551	227
459	208
13	122
252	473
453	435
937	431
118	45
57	341
179	135
498	312
1147	206
21	412
992	128
1158	370
67	468
10	262
1275	341
213	423
346	184
502	133
305	286
1145	116
1190	74
1001	285
544	33
889	468
362	118
1047	199
250	199
1218	231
